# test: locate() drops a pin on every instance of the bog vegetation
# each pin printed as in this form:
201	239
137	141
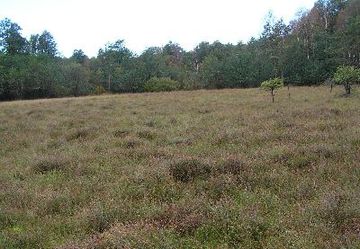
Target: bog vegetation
190	169
306	51
155	170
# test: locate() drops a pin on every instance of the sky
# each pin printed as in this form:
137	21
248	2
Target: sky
90	24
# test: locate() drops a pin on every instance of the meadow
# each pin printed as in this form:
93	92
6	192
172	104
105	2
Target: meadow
196	169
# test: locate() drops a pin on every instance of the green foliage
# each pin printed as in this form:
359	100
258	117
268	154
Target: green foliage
111	62
99	90
11	41
77	79
163	84
46	44
211	72
79	56
305	52
272	84
347	75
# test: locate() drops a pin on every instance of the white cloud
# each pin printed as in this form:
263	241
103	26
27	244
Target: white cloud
91	24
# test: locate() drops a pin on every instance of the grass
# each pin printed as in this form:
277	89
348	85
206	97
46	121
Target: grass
200	169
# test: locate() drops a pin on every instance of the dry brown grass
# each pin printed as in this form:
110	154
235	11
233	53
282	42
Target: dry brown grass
200	169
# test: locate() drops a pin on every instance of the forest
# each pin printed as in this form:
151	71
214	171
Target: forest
305	51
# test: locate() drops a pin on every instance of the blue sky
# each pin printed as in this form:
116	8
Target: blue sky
89	25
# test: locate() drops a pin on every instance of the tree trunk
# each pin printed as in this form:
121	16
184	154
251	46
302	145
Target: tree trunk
109	82
348	89
326	22
288	87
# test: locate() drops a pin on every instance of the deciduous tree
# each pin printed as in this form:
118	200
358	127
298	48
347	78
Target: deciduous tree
346	76
272	85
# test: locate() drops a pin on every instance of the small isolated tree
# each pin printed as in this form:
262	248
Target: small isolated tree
272	85
347	75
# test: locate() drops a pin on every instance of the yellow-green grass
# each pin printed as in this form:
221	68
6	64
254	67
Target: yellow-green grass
199	169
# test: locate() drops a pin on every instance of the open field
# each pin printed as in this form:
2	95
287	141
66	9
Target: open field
200	169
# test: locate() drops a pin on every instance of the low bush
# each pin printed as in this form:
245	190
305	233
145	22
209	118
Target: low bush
161	85
147	134
81	133
121	133
99	220
188	170
50	163
99	90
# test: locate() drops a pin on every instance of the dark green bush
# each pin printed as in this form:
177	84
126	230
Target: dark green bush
161	85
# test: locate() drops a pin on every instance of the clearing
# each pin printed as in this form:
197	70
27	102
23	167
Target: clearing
199	169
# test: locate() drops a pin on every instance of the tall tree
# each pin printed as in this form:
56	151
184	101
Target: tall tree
112	57
46	44
77	78
348	32
274	38
79	56
11	41
34	44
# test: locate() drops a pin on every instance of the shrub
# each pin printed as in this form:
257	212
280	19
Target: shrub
300	161
346	75
184	219
188	170
50	163
271	85
98	220
99	90
59	205
81	133
121	133
131	142
161	85
146	134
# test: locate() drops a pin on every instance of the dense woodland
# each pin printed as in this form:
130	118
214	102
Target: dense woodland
304	52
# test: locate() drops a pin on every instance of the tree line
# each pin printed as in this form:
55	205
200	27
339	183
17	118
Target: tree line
305	51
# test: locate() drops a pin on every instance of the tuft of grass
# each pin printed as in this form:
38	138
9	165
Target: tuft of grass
121	133
187	170
232	166
300	161
98	220
81	133
131	142
46	164
147	134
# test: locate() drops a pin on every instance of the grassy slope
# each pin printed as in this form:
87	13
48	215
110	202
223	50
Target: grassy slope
108	170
